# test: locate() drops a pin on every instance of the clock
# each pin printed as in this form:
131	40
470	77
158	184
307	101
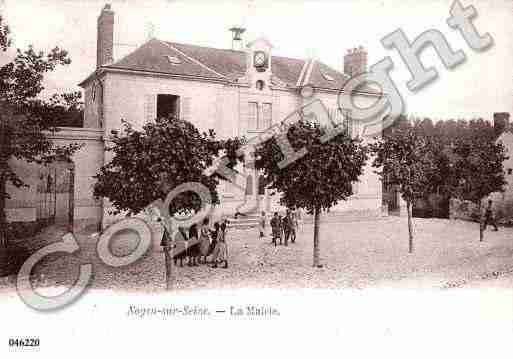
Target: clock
260	60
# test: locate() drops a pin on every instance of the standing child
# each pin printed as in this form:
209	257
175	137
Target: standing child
204	240
276	227
193	250
221	251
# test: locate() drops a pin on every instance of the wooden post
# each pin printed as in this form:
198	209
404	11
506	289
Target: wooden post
316	249
481	234
410	229
168	255
4	151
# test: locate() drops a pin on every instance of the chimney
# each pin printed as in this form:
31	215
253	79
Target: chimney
500	122
105	42
355	61
237	42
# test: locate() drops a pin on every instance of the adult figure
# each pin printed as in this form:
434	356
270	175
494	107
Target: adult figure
221	251
287	226
489	218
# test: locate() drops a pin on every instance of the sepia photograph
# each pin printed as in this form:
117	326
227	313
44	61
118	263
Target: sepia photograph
254	178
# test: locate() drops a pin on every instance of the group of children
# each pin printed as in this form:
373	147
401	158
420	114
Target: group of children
283	228
201	242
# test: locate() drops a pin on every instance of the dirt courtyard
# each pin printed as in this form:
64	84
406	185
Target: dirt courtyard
359	254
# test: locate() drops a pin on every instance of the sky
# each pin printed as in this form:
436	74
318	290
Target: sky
325	29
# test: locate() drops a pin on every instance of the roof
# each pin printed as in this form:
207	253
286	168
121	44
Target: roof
222	65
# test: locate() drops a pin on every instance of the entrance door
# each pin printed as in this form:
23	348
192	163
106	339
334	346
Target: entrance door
56	194
393	203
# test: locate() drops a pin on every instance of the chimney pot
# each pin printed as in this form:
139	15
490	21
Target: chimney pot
355	61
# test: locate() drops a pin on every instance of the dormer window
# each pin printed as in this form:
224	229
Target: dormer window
327	77
173	60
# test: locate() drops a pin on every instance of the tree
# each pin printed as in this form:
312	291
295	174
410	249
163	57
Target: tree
406	158
319	179
167	149
24	117
478	172
148	164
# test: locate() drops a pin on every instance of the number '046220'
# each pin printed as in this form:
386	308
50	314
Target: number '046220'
24	342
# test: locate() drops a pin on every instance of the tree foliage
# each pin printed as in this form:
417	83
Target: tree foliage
318	180
24	116
453	158
321	178
407	158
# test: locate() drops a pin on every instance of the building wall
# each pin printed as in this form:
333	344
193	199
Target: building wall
24	202
87	161
503	201
223	108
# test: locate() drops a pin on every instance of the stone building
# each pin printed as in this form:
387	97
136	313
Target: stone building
234	92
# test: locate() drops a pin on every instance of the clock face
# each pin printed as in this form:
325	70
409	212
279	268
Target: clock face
260	59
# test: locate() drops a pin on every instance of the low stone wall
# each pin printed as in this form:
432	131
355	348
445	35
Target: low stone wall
19	230
465	210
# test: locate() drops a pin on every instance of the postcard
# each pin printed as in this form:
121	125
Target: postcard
256	178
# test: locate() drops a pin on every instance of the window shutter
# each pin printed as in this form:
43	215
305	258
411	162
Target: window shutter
186	109
150	107
267	116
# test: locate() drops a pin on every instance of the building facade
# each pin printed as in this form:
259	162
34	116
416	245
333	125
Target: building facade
236	93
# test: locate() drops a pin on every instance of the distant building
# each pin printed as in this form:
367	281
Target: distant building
503	202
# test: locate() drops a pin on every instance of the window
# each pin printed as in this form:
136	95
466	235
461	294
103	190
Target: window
355	187
327	77
510	171
260	85
260	116
253	116
267	116
168	106
173	60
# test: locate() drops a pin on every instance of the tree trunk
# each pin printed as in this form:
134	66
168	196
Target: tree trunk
481	234
410	229
168	255
316	249
3	219
4	157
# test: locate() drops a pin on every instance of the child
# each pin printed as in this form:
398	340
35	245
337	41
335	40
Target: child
193	250
276	227
204	241
221	251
